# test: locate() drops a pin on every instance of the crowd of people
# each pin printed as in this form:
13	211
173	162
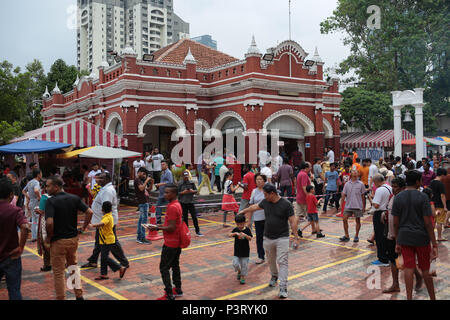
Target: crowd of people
281	198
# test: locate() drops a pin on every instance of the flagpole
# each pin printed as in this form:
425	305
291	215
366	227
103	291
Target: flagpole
290	56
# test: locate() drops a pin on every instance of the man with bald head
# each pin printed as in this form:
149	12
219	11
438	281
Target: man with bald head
355	202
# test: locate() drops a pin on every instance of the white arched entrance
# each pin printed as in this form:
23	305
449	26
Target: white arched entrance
293	127
157	127
114	124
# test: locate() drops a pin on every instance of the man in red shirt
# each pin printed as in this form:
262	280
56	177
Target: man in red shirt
248	184
300	207
170	255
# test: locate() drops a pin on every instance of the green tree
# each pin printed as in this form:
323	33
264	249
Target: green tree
9	131
366	110
410	50
62	73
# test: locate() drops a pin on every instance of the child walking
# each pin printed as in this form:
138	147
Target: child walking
313	217
107	241
229	203
242	236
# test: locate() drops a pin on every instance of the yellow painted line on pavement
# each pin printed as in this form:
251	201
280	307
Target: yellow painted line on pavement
298	275
89	281
134	234
187	249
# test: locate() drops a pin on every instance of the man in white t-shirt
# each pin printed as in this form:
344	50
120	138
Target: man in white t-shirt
330	155
264	158
380	202
148	162
156	160
138	164
373	170
267	171
91	175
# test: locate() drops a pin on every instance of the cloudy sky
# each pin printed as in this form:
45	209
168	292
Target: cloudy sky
42	28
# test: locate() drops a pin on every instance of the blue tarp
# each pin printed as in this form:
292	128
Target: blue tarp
31	146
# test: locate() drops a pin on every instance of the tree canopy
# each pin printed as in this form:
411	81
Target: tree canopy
410	50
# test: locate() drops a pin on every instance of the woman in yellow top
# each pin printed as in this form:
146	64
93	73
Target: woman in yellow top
107	241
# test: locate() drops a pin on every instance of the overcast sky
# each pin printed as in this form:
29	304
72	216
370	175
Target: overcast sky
39	28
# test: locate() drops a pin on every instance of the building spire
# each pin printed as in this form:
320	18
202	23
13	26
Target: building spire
253	49
56	89
189	58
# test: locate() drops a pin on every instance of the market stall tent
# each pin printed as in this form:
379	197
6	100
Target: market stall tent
79	133
32	146
100	152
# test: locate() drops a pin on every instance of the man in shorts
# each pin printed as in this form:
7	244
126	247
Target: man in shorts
355	202
302	181
414	232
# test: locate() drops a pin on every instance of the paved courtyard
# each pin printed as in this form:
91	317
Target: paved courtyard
321	269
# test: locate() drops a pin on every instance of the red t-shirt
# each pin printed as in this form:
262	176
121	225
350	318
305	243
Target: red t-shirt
11	217
311	203
173	212
249	179
302	181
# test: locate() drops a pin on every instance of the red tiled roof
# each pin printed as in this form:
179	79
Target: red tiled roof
206	57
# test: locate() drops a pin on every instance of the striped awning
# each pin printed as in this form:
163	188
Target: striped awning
79	133
376	139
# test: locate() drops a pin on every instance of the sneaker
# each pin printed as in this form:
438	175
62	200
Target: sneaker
177	292
143	241
199	234
300	233
283	293
242	281
356	239
166	297
344	239
380	264
259	261
273	281
320	235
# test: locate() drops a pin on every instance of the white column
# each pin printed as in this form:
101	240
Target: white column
398	131
419	130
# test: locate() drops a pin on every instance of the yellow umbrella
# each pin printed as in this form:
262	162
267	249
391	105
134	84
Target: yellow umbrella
72	153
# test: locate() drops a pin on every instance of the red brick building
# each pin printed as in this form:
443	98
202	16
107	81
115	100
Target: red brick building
187	81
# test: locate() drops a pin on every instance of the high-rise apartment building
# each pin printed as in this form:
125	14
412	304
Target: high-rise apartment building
106	26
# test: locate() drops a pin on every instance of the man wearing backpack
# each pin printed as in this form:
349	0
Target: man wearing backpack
173	242
399	168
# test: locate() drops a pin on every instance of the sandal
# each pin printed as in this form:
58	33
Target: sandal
391	290
102	278
89	265
122	272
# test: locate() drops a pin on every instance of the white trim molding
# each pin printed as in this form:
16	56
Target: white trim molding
328	128
307	123
111	117
221	119
175	119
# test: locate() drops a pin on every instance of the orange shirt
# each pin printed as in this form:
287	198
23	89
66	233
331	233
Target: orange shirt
355	155
364	172
356	166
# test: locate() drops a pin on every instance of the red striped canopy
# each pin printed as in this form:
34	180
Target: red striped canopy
376	139
78	133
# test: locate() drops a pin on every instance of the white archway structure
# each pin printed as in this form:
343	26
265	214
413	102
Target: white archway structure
112	123
301	118
224	117
172	117
328	128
